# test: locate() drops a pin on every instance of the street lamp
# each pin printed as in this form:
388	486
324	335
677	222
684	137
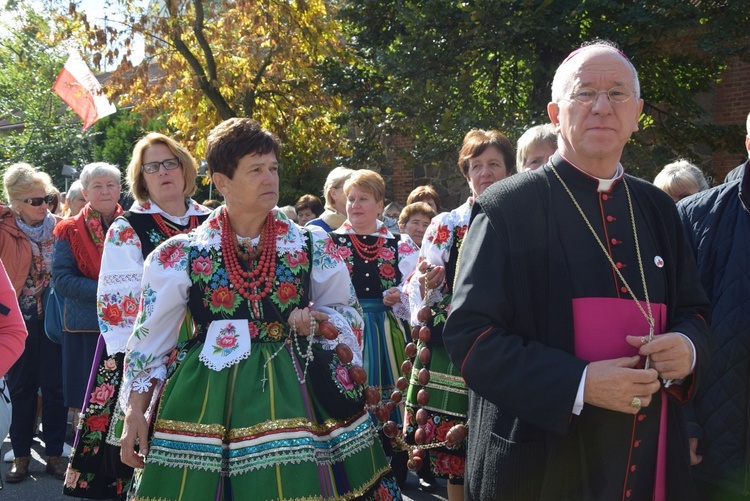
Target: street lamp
69	172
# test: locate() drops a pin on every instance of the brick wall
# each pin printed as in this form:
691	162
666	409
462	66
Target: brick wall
731	104
403	175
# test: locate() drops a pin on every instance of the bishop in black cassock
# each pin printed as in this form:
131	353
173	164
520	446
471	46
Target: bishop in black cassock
561	272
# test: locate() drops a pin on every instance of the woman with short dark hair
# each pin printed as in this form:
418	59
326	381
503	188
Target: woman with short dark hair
485	158
308	207
240	417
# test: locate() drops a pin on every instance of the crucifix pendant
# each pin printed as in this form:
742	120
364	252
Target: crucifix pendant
650	338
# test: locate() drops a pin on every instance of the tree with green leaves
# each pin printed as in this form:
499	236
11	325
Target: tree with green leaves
431	70
38	128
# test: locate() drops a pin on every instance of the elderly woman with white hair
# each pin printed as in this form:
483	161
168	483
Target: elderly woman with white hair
26	246
535	146
75	273
74	200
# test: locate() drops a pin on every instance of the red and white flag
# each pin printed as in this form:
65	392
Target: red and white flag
80	89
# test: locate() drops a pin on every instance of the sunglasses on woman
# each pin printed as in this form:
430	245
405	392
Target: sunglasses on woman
37	201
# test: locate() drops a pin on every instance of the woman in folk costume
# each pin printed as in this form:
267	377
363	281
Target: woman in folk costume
240	418
161	176
485	158
378	263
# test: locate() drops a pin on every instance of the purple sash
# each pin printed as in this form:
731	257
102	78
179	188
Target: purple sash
600	325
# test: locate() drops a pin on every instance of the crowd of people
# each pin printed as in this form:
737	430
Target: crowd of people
569	332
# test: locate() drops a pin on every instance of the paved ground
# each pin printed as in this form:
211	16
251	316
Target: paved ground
41	486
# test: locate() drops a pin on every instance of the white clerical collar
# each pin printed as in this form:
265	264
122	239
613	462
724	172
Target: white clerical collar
604	184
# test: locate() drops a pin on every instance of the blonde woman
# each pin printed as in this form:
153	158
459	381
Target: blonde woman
333	191
26	248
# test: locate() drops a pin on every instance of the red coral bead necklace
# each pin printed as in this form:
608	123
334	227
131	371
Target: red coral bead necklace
368	252
255	284
169	231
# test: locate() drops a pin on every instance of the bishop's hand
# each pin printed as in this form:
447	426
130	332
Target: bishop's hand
616	384
671	354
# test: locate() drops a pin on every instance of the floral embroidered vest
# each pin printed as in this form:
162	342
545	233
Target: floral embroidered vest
370	277
212	296
148	231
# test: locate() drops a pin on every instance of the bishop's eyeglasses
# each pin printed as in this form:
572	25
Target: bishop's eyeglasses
587	95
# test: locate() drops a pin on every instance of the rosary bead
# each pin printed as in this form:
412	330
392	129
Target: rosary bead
424	314
328	330
358	374
425	355
423	377
420	436
344	353
456	435
415	333
410	350
423	397
406	368
382	414
390	429
372	396
425	334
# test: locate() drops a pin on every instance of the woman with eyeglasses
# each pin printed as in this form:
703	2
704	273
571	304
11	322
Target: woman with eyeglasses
161	177
26	247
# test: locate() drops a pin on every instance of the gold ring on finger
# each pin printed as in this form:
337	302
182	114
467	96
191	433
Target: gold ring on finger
635	403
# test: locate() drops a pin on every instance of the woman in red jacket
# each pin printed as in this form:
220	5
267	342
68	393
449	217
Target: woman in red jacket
12	329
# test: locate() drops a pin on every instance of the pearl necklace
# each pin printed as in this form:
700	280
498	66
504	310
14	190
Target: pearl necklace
169	231
248	283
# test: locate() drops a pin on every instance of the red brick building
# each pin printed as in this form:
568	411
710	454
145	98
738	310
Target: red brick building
730	106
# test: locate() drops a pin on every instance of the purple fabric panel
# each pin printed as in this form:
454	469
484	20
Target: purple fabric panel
600	325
